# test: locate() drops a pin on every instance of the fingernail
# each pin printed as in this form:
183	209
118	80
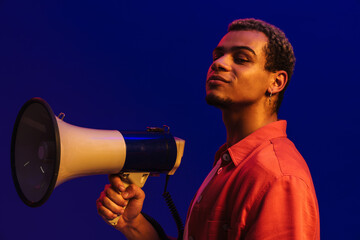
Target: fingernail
122	188
125	194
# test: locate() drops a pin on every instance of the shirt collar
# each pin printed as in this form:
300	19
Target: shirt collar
243	148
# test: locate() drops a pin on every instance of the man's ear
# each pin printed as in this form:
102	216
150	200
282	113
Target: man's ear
279	80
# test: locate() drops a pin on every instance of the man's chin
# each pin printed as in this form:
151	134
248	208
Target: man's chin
218	102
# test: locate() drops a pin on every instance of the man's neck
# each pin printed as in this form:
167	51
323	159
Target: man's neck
242	122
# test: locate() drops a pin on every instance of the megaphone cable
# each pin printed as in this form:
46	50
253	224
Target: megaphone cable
173	210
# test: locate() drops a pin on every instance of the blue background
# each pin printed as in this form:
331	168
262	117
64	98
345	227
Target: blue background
131	64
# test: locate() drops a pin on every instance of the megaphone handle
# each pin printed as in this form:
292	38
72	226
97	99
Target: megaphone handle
137	178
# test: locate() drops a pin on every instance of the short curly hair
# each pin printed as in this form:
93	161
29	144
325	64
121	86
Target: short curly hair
279	52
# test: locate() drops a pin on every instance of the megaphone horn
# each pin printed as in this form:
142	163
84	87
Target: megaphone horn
46	151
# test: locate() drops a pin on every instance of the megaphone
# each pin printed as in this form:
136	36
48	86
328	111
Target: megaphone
46	151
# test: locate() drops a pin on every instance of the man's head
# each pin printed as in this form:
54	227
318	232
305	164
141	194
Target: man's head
276	50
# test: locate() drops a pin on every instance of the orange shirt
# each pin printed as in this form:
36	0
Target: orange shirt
262	190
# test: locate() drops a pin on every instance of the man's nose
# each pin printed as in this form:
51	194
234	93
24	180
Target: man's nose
221	64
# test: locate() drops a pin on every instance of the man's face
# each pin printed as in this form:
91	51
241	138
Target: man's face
237	74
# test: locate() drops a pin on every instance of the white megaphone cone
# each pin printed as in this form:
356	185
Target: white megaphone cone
87	151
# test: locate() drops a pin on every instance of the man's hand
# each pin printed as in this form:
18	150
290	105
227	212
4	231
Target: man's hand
116	200
126	203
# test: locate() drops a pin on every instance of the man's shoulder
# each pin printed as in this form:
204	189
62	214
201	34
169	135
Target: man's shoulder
281	158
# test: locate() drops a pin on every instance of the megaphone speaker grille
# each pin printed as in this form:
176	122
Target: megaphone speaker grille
35	152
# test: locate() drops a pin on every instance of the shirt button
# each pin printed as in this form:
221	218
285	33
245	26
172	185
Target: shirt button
219	170
199	199
226	157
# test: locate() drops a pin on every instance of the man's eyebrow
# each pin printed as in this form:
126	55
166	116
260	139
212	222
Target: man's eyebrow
235	48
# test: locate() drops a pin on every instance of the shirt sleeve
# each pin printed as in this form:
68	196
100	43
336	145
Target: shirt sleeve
287	210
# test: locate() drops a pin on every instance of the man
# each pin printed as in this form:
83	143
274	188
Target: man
260	186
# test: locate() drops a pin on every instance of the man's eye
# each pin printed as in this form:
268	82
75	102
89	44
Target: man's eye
238	59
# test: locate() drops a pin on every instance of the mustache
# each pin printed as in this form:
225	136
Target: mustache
218	78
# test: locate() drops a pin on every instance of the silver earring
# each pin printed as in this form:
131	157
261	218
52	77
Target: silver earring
270	97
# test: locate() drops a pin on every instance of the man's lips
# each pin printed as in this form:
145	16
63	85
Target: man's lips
215	78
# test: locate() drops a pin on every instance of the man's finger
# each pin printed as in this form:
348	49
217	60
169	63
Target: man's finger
133	191
114	208
104	212
116	182
115	196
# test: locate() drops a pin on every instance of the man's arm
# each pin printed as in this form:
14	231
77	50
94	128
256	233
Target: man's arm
287	210
116	200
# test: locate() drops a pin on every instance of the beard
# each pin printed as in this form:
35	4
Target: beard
216	101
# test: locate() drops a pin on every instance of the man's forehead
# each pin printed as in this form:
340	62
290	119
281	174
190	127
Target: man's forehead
253	39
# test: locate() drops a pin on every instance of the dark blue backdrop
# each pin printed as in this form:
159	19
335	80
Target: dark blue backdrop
130	64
